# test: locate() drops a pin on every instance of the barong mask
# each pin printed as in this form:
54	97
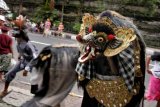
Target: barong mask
102	36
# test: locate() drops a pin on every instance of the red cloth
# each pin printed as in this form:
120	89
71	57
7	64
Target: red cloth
153	91
5	43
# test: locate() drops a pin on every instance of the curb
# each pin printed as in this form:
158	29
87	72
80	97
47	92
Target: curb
73	37
69	36
65	35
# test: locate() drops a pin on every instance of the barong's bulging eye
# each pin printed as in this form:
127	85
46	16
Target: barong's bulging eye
100	39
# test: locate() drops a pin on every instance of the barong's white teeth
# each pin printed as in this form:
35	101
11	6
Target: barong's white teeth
82	60
84	57
93	51
89	54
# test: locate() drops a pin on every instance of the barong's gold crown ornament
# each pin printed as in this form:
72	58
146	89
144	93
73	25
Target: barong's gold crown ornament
124	34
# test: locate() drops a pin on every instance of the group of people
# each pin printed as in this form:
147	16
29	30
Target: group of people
45	27
25	49
110	64
6	50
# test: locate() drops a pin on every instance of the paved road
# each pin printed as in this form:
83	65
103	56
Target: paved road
22	83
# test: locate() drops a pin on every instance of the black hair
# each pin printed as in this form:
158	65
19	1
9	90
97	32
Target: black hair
21	34
102	27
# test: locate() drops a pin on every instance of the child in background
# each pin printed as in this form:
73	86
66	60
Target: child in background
47	27
60	28
153	92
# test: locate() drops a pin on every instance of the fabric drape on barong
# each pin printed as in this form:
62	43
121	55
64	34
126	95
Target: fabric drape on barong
53	75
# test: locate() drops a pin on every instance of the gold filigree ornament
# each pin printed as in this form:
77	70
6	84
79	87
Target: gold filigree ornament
113	93
87	21
126	35
137	58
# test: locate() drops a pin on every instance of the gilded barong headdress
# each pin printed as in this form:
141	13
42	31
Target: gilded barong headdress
103	32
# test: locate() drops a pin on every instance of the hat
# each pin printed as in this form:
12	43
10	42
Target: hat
2	18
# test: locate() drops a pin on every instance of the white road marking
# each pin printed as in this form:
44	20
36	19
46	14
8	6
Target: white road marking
37	42
40	43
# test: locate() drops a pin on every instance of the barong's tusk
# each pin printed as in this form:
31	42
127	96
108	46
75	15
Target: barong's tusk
75	95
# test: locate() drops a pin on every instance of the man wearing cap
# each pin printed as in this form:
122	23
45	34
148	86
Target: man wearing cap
6	51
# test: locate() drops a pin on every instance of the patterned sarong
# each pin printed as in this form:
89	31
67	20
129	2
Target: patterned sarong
5	61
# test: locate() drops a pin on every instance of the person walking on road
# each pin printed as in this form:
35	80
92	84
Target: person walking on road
153	92
47	27
60	29
27	51
41	27
6	51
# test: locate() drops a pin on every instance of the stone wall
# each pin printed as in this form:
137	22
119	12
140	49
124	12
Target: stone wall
74	9
150	31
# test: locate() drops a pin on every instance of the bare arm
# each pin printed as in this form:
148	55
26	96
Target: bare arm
148	62
11	48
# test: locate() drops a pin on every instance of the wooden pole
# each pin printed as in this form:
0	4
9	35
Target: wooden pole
20	6
62	12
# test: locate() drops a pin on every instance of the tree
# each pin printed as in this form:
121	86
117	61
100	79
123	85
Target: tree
46	11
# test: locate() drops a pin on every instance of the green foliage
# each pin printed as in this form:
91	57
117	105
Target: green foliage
151	4
56	23
72	27
43	12
14	15
140	2
76	27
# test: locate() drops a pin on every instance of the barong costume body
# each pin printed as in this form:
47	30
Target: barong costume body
111	66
